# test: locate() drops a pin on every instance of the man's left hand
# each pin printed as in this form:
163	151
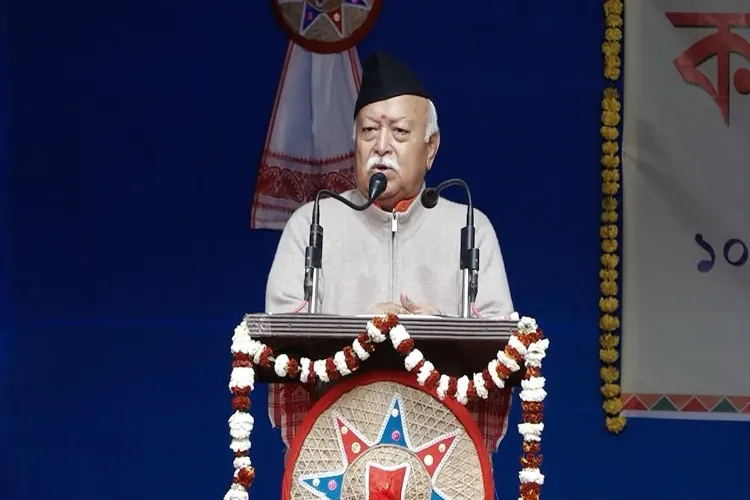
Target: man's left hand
415	308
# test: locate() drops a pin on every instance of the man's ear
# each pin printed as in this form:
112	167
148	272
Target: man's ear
432	148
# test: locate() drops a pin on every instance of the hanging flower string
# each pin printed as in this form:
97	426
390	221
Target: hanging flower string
526	346
609	323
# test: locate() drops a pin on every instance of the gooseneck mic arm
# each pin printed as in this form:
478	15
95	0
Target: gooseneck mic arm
469	260
314	250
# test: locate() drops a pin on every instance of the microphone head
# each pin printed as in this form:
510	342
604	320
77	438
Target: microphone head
429	198
378	183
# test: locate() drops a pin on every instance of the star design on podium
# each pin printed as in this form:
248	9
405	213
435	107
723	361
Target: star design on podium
382	482
313	11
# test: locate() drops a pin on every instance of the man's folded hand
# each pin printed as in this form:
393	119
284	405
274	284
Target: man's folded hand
412	307
407	306
387	308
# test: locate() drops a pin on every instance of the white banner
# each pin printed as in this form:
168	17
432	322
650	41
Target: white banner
686	209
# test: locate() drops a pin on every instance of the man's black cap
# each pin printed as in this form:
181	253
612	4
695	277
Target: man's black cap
383	77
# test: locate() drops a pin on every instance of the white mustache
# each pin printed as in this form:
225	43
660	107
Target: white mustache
382	161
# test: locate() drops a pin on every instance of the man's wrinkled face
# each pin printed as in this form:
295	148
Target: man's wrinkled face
390	138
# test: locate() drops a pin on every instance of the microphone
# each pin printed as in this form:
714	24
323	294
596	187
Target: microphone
430	197
314	250
378	183
469	260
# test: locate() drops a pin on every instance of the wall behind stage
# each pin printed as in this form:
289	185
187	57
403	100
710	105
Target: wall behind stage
136	128
5	330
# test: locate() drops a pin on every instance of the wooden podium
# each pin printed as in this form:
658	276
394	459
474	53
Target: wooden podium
455	345
391	423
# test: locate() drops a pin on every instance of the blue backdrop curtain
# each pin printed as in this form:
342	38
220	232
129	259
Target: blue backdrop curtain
135	135
5	327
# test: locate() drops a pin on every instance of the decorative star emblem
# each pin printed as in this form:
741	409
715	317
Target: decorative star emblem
383	483
314	10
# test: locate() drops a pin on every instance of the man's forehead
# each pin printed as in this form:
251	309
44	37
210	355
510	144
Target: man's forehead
408	107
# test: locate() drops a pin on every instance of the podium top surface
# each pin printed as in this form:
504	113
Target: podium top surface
324	326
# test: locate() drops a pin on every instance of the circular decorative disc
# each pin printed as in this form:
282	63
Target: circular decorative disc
382	436
326	26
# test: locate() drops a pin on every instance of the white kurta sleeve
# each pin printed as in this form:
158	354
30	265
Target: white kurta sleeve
285	285
494	297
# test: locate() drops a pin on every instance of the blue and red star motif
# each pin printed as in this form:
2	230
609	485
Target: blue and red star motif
313	10
383	483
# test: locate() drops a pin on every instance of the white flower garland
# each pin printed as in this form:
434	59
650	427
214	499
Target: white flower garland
243	378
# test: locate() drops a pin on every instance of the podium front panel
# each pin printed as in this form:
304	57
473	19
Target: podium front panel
381	433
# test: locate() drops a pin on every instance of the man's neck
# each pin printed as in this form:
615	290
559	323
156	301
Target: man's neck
407	213
395	206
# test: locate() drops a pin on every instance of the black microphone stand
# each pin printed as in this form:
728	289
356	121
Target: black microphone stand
469	258
314	250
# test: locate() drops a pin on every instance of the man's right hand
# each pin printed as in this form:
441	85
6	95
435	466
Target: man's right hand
388	308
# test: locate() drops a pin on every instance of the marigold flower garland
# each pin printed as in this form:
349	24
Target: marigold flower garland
527	345
609	323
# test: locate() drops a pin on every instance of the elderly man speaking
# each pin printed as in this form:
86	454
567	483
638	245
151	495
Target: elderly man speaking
396	256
